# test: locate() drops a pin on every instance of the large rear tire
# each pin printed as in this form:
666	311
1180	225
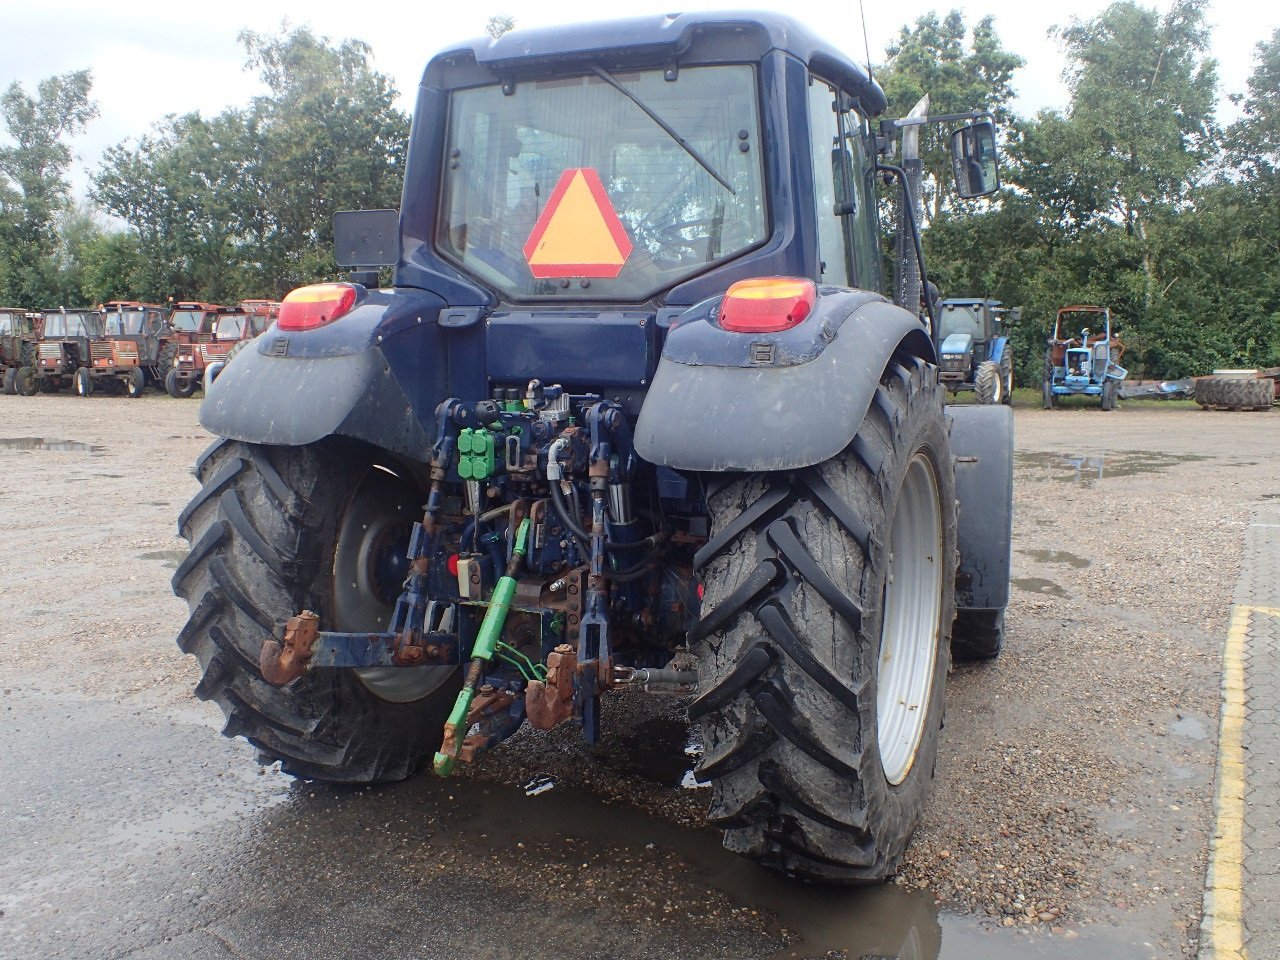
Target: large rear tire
10	380
825	642
988	382
266	539
1006	377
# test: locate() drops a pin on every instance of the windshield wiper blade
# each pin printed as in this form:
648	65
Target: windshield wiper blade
688	148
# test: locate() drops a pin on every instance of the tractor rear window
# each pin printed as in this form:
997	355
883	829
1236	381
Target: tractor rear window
8	324
568	188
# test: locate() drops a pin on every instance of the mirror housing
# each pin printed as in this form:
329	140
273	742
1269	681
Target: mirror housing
366	238
974	160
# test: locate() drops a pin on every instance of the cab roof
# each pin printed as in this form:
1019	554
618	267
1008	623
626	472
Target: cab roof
664	38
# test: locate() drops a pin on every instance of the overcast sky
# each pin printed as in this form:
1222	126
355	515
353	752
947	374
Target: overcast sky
152	58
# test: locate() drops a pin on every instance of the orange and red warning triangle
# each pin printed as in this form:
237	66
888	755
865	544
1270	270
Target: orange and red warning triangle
578	233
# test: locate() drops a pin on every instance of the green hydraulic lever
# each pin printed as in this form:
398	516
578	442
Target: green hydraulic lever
482	653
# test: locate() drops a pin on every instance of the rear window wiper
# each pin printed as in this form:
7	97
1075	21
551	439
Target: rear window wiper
670	131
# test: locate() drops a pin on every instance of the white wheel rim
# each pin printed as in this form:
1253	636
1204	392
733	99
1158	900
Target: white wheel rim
909	628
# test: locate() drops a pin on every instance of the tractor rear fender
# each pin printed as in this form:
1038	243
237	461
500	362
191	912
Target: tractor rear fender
373	374
753	402
982	444
995	350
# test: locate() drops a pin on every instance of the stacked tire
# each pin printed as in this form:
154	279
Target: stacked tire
1235	393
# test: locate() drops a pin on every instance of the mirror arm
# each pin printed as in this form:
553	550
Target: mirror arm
901	176
888	128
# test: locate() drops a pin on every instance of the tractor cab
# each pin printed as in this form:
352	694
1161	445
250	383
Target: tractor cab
974	351
136	336
192	321
1085	364
17	344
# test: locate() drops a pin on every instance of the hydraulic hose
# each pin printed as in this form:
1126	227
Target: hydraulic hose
566	517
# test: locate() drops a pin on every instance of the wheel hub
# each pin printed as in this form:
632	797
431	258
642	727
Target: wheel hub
370	563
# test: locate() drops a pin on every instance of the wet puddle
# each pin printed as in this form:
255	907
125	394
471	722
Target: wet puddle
855	923
664	750
43	443
1056	556
1039	585
1086	468
171	558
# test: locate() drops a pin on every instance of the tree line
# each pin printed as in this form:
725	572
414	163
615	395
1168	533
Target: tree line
1132	196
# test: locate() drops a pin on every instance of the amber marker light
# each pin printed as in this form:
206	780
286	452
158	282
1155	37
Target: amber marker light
767	304
309	307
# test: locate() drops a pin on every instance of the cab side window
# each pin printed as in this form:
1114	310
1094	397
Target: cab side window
824	141
844	191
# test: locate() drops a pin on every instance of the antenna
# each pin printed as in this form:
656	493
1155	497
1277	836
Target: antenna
866	41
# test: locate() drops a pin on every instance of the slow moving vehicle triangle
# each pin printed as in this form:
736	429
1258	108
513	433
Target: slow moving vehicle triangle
578	233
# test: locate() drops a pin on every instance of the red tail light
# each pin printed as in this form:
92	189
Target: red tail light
767	304
309	307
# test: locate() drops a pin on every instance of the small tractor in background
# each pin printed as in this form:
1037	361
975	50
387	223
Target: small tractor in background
64	343
195	361
671	435
975	353
1087	365
137	342
17	345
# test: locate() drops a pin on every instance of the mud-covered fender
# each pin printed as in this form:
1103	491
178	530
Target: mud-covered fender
752	402
372	375
982	444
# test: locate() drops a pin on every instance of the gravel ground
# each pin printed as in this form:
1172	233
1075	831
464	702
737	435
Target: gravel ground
1073	788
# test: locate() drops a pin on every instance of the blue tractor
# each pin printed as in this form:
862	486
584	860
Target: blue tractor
1085	365
634	414
975	353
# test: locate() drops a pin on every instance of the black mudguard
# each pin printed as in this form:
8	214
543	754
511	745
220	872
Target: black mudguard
982	444
294	388
716	404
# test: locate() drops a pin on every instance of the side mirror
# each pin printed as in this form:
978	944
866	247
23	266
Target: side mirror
974	160
366	238
1015	314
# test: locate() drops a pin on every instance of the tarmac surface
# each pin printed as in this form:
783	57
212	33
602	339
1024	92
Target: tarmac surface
1077	773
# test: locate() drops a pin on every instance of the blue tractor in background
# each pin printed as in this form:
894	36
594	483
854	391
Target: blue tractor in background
1085	365
635	413
975	353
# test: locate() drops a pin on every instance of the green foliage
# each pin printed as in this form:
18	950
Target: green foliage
242	204
33	181
499	24
960	71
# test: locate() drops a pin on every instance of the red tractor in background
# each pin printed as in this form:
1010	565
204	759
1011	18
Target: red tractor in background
64	340
137	345
230	326
17	345
193	324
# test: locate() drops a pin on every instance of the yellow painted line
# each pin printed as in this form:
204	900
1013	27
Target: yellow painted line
1226	854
